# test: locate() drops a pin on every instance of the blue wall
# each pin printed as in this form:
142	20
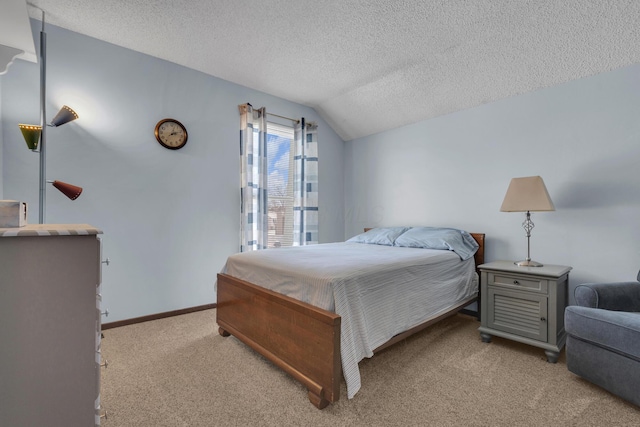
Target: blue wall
170	218
582	137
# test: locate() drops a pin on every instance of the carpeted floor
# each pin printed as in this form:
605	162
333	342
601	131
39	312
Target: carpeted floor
180	372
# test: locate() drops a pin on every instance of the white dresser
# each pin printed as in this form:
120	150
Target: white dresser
50	325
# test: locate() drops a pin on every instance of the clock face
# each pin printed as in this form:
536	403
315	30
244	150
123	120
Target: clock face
171	134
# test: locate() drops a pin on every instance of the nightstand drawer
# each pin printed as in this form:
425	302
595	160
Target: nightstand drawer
516	281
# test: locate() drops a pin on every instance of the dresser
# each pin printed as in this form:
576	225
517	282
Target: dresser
50	325
524	304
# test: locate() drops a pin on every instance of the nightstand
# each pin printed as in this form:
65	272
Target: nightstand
524	304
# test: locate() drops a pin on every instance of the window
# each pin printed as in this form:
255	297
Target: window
280	185
278	181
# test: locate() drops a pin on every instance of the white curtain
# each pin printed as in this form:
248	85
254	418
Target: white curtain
253	174
305	185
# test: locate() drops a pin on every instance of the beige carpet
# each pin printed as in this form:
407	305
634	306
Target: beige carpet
180	372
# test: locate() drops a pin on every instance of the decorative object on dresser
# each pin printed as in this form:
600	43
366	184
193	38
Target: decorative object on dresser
524	304
603	336
13	214
528	194
318	345
34	133
50	325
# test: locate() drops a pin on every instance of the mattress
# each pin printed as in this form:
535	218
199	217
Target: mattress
379	291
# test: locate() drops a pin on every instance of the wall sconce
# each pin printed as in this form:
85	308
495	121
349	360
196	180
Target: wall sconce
36	133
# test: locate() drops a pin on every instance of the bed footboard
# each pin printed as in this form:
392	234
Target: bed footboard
299	338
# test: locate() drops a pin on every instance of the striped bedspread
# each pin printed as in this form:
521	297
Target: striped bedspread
379	291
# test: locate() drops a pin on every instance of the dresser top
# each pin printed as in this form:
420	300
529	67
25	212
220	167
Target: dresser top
50	230
510	266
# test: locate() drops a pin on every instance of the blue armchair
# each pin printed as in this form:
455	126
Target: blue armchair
603	337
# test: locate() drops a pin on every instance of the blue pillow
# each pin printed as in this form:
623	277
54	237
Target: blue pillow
450	239
379	236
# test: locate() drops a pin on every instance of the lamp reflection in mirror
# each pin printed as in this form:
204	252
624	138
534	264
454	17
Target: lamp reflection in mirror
65	115
527	194
31	134
69	190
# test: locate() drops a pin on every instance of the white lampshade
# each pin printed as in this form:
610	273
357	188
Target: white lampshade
527	194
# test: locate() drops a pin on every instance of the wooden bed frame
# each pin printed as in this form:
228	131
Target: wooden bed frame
301	339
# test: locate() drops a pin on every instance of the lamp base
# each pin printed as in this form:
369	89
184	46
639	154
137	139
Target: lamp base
528	263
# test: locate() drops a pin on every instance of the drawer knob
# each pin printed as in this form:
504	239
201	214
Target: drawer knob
543	319
515	282
102	413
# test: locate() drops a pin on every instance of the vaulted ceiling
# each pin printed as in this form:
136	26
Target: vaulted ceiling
371	65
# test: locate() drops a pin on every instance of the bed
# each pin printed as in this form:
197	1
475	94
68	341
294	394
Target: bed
316	322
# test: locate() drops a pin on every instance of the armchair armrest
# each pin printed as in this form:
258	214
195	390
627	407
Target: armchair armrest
618	296
615	330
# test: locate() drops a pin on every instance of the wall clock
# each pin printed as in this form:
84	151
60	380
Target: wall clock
171	134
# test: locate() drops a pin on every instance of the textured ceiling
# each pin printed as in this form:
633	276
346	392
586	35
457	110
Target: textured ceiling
371	65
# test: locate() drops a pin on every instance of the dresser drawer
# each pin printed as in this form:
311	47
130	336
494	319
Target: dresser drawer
518	281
